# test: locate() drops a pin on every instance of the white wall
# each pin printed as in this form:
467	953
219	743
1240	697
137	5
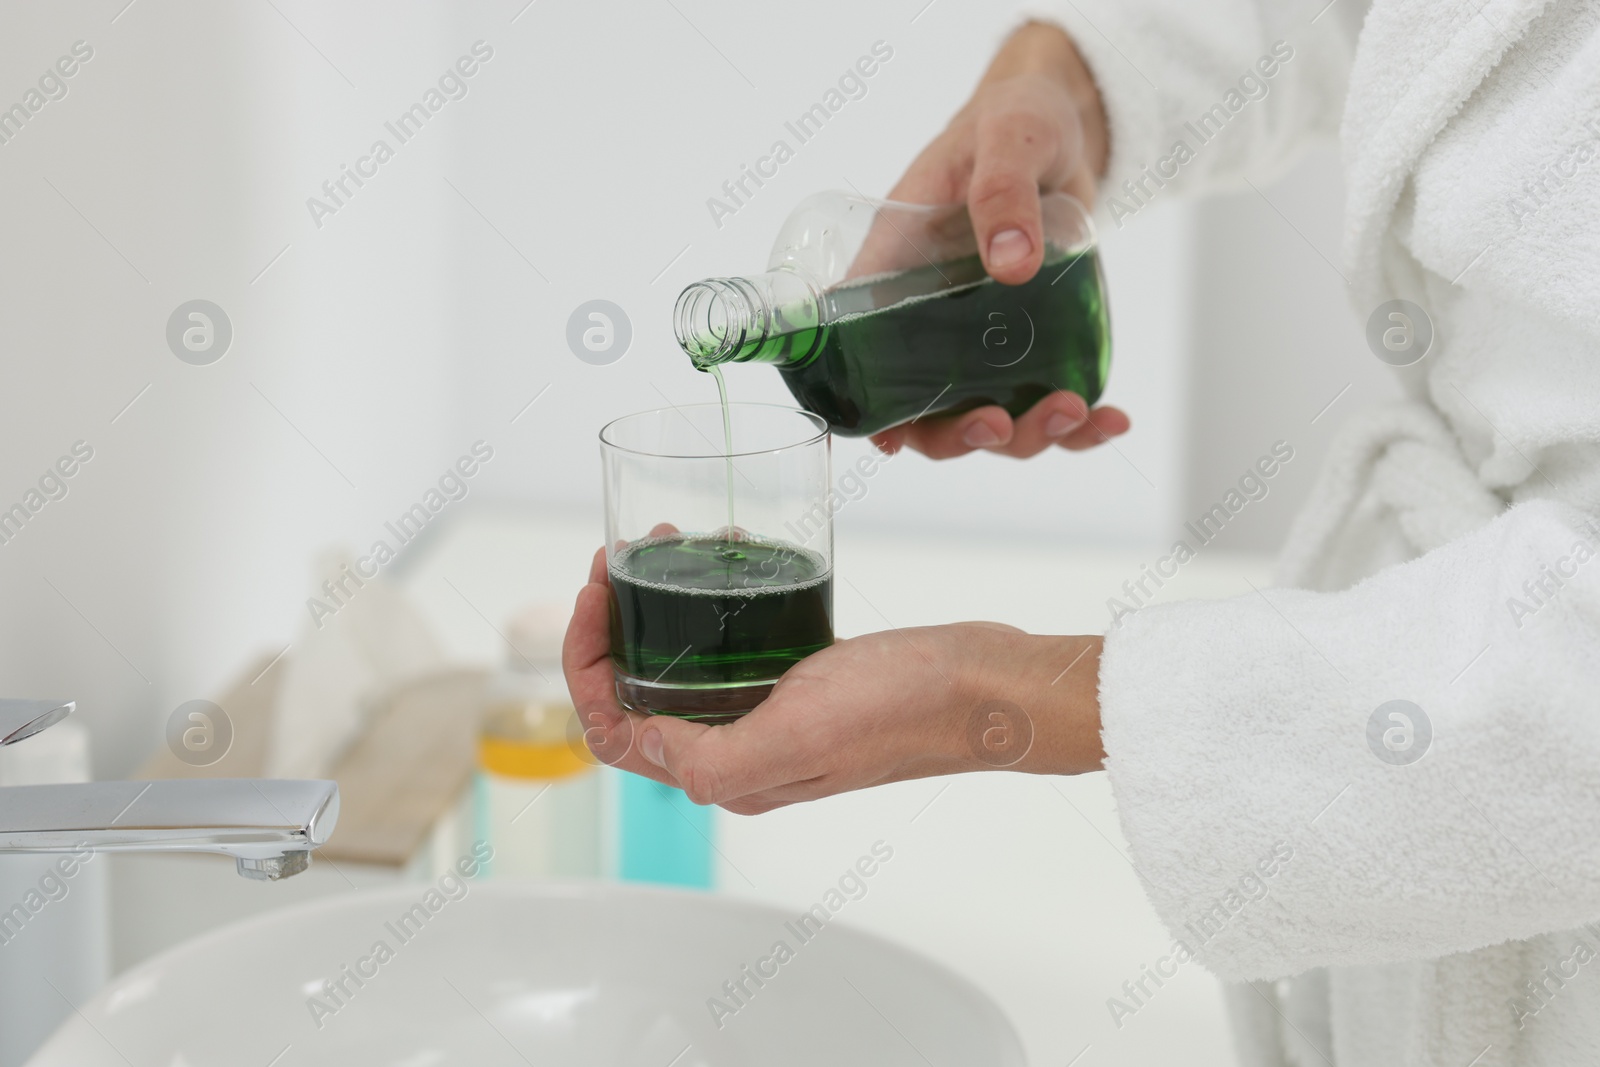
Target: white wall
594	150
432	307
186	147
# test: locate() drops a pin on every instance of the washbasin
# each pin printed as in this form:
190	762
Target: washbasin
544	973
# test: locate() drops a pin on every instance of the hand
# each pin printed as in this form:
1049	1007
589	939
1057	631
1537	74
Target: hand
880	708
1034	123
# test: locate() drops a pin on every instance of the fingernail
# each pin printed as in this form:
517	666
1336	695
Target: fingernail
650	744
978	435
1008	247
1059	425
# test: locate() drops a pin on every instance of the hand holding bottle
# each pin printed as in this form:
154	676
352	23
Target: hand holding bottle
1034	123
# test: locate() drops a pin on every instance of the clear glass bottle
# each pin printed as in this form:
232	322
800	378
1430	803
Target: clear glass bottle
877	312
538	799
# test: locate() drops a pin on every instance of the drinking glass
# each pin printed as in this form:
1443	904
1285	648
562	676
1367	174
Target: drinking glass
720	559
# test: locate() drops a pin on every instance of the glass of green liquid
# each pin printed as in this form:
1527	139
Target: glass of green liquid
719	545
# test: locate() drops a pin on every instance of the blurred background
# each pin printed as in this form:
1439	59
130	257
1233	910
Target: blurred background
374	343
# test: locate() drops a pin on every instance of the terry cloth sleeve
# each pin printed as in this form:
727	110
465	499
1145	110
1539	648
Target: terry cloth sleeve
1202	93
1284	813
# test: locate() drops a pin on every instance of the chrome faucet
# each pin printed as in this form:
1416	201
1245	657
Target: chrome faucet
269	826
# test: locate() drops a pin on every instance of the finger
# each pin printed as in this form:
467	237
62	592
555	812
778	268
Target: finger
1103	425
588	638
747	806
831	785
646	757
1059	419
796	793
1017	151
945	438
1046	423
718	764
597	566
617	745
663	529
889	441
938	174
586	657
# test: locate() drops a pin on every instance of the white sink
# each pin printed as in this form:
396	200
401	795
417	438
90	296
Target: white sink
535	973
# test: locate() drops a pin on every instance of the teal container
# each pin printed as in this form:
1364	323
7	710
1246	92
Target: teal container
662	837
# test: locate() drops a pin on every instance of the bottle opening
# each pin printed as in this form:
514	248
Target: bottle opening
711	321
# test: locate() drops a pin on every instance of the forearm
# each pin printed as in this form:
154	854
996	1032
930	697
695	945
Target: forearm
1035	704
1267	724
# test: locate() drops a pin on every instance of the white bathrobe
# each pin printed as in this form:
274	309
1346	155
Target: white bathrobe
1377	914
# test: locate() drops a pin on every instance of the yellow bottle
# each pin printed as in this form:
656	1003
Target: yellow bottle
538	793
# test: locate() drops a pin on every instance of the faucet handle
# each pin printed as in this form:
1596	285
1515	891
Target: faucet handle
24	718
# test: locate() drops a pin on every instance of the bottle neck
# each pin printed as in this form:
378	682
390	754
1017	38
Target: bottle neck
775	317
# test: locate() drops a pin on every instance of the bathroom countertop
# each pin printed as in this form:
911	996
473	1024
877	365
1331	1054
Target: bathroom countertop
1019	882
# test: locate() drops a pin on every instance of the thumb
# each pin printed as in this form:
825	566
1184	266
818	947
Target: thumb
716	764
1017	152
665	742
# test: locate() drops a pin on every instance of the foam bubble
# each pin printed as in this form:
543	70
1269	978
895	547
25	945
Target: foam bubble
618	566
911	301
1054	257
